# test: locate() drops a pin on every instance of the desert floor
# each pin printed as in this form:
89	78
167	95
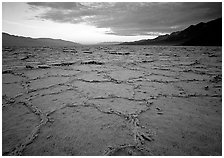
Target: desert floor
112	100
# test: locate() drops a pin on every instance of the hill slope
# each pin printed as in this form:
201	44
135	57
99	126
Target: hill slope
202	34
11	40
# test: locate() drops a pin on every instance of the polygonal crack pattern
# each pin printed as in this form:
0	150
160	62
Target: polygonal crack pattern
112	100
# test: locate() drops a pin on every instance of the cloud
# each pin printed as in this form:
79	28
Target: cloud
131	18
57	5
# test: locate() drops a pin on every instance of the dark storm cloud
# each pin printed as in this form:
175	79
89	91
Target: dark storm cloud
58	5
132	18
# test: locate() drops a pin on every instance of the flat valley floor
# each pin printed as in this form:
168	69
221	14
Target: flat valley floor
112	100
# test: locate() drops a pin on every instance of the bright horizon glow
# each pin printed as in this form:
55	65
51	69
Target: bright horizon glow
19	19
92	23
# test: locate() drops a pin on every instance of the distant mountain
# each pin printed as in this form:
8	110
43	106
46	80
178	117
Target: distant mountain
202	34
11	40
108	43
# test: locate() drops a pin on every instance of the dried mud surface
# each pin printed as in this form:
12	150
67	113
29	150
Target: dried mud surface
112	100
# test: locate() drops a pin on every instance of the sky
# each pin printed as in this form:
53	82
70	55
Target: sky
94	22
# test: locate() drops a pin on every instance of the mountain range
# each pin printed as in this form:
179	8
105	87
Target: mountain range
19	41
109	43
202	34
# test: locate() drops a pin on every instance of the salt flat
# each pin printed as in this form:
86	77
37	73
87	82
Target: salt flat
112	100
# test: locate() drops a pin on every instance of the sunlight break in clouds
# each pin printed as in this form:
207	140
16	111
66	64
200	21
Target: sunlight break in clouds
103	22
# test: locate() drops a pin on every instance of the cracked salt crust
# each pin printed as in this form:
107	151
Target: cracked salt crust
113	100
